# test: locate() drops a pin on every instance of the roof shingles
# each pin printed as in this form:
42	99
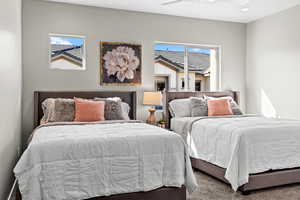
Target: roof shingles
74	52
197	62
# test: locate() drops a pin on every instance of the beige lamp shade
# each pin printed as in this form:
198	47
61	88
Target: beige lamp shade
152	98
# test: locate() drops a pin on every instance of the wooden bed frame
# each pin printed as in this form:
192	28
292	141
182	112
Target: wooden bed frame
162	193
256	181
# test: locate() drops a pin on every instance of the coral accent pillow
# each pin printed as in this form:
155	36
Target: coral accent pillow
89	111
219	107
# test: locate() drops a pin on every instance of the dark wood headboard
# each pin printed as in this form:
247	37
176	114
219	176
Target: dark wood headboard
169	96
40	96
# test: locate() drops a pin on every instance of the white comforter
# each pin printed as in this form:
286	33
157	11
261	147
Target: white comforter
245	144
82	161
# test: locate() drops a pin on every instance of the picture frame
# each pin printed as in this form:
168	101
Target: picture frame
120	63
67	52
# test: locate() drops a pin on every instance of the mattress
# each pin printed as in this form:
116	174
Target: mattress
84	160
244	145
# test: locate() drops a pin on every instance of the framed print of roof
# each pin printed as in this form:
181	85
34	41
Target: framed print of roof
67	52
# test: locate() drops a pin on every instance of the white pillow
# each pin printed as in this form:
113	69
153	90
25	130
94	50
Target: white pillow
125	110
180	107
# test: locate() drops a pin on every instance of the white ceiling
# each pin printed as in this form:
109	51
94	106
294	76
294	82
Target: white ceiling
226	10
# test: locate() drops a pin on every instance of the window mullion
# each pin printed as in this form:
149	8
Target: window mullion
186	70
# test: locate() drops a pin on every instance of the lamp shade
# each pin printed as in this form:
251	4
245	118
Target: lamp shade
152	98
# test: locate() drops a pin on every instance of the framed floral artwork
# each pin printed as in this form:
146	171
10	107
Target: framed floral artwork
120	63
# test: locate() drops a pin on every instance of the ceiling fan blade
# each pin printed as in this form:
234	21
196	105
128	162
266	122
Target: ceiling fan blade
171	2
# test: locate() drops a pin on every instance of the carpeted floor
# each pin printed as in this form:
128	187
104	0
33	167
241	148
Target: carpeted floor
212	189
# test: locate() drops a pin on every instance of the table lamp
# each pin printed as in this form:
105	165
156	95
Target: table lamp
152	99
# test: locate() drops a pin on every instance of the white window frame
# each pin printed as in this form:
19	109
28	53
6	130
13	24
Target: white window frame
218	70
68	35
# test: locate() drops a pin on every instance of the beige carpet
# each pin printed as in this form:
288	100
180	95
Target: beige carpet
212	189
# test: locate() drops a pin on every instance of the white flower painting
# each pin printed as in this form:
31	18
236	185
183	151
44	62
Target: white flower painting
121	63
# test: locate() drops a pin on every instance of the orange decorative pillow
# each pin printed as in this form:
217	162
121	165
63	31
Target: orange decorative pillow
89	111
219	107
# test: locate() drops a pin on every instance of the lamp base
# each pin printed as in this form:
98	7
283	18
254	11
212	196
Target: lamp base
151	119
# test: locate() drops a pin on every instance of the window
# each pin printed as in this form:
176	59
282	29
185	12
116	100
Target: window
67	52
182	83
198	85
161	83
188	67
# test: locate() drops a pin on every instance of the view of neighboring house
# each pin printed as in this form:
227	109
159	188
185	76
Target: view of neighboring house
169	71
66	56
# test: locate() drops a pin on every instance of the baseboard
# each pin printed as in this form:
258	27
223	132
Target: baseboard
13	191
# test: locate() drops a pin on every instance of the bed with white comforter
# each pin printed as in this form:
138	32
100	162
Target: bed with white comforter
83	160
243	145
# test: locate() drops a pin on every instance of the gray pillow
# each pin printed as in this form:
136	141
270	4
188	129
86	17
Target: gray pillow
58	110
113	109
180	107
198	107
234	106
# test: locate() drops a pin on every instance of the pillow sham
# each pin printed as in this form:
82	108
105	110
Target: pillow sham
58	110
180	107
219	107
125	110
89	111
115	109
234	106
198	106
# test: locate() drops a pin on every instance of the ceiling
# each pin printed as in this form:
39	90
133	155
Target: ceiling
225	10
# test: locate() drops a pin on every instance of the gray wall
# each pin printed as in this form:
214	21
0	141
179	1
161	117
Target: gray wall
99	24
273	65
10	90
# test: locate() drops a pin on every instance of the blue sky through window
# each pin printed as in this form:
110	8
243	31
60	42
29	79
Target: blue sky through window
180	48
167	47
67	41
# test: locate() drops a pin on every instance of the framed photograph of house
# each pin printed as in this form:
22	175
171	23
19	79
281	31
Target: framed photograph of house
120	63
67	52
